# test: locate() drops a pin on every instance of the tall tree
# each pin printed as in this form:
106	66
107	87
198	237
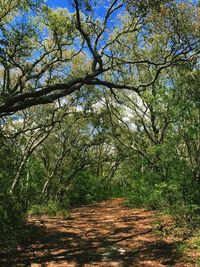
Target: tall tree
46	54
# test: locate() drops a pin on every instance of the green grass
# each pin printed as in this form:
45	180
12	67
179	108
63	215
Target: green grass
50	209
181	248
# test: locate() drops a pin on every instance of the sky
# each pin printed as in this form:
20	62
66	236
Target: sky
63	3
56	3
66	3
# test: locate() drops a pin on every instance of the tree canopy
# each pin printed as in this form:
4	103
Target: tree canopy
46	54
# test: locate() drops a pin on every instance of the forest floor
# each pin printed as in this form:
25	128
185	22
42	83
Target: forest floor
105	234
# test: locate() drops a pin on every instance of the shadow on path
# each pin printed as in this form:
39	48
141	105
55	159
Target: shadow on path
107	234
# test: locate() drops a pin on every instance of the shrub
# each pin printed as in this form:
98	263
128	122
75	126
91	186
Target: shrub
11	220
52	208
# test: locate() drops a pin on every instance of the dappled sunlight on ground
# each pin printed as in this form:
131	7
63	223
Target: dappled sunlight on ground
106	234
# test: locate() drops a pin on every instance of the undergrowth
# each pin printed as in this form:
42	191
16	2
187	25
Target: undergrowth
51	208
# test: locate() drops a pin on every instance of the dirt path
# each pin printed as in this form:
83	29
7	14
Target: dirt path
106	234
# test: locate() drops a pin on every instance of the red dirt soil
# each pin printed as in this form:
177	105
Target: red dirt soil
106	234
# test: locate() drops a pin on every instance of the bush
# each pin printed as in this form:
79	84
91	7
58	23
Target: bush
188	215
85	189
11	220
52	208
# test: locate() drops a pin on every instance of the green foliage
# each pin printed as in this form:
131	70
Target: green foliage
86	189
181	248
196	241
186	214
51	208
11	220
144	195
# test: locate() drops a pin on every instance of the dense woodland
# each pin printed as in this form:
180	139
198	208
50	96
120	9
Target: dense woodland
99	99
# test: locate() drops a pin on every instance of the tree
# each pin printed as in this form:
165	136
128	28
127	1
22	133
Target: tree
46	54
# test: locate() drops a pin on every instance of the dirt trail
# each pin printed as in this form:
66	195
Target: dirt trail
106	234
